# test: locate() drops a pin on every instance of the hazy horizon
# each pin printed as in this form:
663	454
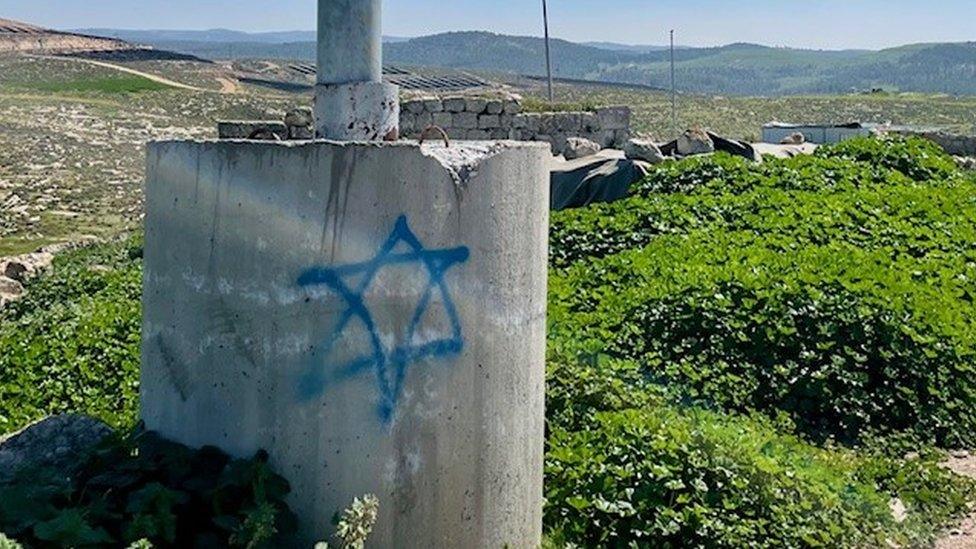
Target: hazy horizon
826	24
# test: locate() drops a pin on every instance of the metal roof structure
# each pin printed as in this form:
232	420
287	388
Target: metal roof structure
414	81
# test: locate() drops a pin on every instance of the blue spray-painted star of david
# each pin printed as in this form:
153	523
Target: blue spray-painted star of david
389	366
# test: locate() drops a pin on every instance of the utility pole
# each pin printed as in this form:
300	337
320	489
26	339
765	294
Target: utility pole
674	93
545	21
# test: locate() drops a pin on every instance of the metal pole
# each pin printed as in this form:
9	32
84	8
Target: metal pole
352	103
674	94
545	21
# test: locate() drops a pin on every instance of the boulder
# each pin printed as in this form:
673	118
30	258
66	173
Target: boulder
10	291
23	267
58	442
695	141
644	150
795	138
579	147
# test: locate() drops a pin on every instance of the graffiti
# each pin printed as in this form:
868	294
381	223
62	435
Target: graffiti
388	365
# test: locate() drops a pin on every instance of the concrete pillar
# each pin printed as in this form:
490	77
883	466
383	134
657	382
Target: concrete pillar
373	315
351	101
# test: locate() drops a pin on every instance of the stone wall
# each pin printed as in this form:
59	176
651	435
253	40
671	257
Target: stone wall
478	118
957	145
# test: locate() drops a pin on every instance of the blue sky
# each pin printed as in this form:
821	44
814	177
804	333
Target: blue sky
830	24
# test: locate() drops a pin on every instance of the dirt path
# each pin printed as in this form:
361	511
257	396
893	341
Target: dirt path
228	86
962	536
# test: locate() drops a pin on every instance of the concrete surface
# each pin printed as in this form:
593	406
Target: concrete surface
371	314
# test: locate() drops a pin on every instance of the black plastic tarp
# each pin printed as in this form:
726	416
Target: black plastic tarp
605	177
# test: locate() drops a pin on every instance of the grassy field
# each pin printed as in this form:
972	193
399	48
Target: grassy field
743	117
72	137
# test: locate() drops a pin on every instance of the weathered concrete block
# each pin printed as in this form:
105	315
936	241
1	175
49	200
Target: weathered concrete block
414	107
520	121
408	122
589	122
614	118
423	121
476	105
358	111
466	120
257	130
494	106
620	138
455	104
372	315
443	119
489	121
569	122
433	105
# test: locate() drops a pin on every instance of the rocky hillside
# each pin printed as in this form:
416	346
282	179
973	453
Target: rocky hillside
22	37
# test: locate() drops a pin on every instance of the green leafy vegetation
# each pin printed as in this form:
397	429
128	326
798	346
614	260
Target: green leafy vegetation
631	469
72	344
142	487
739	355
832	288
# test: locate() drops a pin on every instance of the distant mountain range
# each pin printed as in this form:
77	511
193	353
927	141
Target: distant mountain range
747	69
210	36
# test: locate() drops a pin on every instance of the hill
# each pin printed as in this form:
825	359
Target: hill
744	69
22	37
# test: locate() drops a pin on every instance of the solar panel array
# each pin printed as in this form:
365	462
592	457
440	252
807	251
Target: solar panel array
413	81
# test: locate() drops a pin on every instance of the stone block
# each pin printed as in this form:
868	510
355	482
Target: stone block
433	105
408	122
569	122
614	118
494	106
455	104
466	120
443	119
476	105
520	121
415	106
620	138
477	135
512	106
257	130
489	121
589	122
501	133
424	120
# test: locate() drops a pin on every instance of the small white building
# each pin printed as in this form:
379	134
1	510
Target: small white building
820	134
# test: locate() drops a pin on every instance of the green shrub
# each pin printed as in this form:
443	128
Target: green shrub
847	342
72	344
661	477
623	469
801	200
145	488
917	158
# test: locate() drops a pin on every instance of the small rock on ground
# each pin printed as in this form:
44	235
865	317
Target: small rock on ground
644	150
579	147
